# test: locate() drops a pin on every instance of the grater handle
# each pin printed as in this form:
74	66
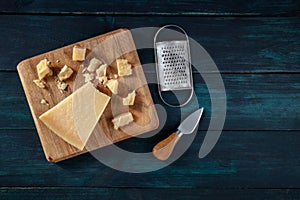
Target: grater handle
170	25
164	149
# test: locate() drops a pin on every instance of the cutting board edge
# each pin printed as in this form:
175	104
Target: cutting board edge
69	45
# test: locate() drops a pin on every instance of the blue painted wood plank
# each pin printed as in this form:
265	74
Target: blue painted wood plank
154	7
254	102
151	194
237	45
241	159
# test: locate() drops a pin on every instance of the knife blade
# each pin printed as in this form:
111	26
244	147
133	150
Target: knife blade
164	149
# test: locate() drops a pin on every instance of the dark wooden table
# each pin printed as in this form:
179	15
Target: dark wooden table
255	45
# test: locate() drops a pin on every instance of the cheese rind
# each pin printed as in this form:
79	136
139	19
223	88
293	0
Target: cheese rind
124	68
122	120
129	100
78	53
113	84
74	118
43	69
65	73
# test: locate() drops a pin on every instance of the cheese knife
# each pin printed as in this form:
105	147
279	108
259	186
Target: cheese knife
164	149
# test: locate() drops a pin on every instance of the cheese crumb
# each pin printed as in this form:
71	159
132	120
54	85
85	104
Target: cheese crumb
129	100
88	77
93	65
65	73
61	86
39	83
102	79
44	102
50	73
113	86
43	69
124	68
122	120
78	53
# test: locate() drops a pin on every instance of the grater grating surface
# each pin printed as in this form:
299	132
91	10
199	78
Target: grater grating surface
173	65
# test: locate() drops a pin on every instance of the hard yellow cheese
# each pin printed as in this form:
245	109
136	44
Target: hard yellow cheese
101	71
129	100
43	69
122	120
124	68
74	118
65	73
113	85
78	53
93	65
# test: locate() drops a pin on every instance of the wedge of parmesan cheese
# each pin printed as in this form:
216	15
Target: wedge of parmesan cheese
122	120
124	68
113	84
65	73
43	69
129	100
93	65
74	118
78	53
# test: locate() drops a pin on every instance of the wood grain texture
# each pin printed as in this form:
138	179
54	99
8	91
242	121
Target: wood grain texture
155	7
164	148
137	193
145	116
241	159
254	102
250	45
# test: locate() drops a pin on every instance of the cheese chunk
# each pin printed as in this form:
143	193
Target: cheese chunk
113	85
101	71
122	120
78	53
74	118
129	100
43	69
124	68
93	65
39	83
65	73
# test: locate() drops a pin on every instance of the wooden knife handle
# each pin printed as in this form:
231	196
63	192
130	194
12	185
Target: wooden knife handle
164	149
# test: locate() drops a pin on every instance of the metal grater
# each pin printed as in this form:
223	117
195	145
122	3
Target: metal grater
173	64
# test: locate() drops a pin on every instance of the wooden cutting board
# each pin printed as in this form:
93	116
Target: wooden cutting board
144	113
